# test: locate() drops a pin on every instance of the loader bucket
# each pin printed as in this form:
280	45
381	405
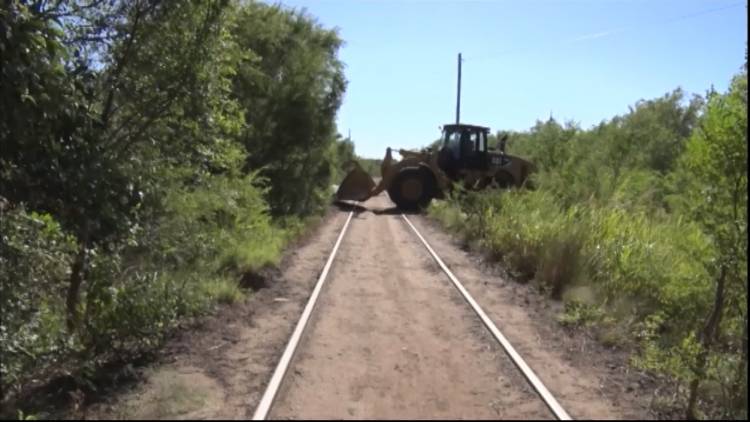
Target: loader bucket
356	186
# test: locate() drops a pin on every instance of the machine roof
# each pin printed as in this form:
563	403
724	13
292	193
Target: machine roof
463	125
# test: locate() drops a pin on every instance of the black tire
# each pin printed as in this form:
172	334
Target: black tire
503	180
423	188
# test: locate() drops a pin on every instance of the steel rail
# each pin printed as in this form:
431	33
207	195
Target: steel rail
264	406
527	372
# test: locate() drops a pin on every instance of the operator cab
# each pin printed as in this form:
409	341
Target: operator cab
464	147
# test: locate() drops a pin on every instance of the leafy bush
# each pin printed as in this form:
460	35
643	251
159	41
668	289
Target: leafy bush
34	253
175	267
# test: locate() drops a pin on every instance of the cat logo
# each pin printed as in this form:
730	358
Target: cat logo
500	160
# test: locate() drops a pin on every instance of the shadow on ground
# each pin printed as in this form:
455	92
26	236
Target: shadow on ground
357	208
394	211
350	206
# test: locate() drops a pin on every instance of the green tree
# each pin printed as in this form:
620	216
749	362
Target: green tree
79	142
290	84
715	165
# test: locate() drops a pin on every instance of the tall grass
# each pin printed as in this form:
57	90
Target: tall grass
640	280
623	255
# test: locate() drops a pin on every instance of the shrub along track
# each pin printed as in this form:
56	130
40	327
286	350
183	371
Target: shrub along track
389	338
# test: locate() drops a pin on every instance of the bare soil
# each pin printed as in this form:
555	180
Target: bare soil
390	338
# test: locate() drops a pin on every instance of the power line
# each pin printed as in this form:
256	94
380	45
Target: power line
606	33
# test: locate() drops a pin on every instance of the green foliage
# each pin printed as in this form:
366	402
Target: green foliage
714	167
154	154
344	153
24	417
34	255
290	85
625	159
646	214
371	166
223	291
224	221
578	314
50	157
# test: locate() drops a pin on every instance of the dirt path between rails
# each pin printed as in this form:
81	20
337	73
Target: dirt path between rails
390	338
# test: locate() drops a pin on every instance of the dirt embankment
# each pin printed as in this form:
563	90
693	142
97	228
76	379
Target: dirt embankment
390	338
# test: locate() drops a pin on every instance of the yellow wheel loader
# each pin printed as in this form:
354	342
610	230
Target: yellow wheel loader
419	177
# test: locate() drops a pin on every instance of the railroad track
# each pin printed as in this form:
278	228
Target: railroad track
272	389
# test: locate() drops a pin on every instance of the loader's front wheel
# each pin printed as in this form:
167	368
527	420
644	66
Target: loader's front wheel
413	188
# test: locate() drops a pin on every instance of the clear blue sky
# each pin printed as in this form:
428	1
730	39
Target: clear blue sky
580	60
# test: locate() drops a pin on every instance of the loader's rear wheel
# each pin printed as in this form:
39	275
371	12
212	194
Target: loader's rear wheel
503	180
413	188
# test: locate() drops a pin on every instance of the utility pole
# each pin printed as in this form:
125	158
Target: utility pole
458	96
